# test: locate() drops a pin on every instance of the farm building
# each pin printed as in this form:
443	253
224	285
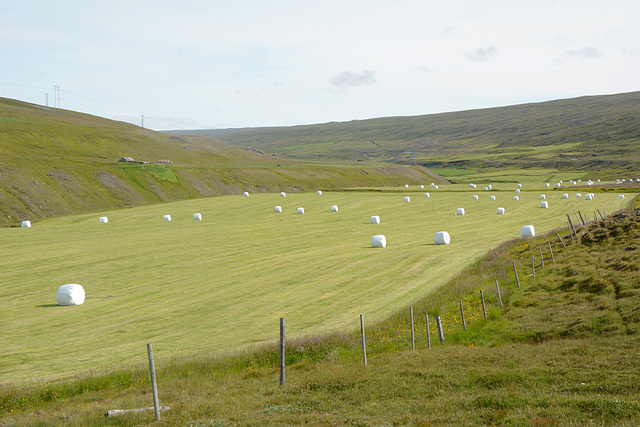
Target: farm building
126	159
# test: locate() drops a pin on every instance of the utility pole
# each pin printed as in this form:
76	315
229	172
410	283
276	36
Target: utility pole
142	118
56	97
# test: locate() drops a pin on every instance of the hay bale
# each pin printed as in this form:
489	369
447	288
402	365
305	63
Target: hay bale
375	219
542	196
527	231
516	198
283	194
441	238
103	220
500	211
427	195
492	198
421	186
246	194
407	199
26	224
166	218
197	216
435	186
519	185
460	211
278	209
490	186
300	210
589	196
475	197
565	196
544	205
319	192
334	208
71	294
546	184
406	186
517	190
621	196
486	188
558	185
378	241
578	195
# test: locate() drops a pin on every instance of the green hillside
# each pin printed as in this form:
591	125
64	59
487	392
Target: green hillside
595	133
57	162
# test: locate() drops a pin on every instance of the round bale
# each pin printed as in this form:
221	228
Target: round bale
197	216
375	219
278	209
378	241
492	198
103	220
300	210
500	211
26	224
441	238
71	294
527	231
544	204
319	192
460	211
475	197
516	198
334	208
565	196
407	199
283	194
427	195
166	218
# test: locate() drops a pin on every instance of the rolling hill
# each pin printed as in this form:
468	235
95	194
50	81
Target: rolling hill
591	133
58	162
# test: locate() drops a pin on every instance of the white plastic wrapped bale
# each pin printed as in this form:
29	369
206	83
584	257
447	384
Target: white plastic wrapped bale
492	198
427	195
519	185
490	186
245	194
334	208
26	224
407	199
546	184
558	185
527	231
166	218
471	185
486	188
319	193
500	211
283	194
542	196
406	186
300	210
460	211
375	219
565	196
103	220
544	205
516	198
378	241
621	196
71	294
589	196
435	186
421	186
278	209
197	216
517	190
578	195
475	197
441	238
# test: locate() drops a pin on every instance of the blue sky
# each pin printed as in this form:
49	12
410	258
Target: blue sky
220	64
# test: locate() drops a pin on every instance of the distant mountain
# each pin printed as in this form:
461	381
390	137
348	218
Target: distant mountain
591	132
57	162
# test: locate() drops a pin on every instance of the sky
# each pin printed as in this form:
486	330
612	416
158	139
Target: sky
251	63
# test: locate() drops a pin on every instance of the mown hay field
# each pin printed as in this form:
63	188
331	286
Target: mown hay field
221	284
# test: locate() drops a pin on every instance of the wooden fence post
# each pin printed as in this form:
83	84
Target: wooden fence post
413	337
428	333
515	271
498	289
484	310
553	259
364	345
440	332
533	265
562	241
283	378
541	257
464	324
154	386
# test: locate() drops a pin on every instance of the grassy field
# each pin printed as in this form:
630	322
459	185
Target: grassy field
220	284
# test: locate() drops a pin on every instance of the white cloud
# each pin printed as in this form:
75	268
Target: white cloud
481	54
582	53
350	79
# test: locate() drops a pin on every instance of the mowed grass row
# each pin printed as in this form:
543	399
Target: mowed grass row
220	284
